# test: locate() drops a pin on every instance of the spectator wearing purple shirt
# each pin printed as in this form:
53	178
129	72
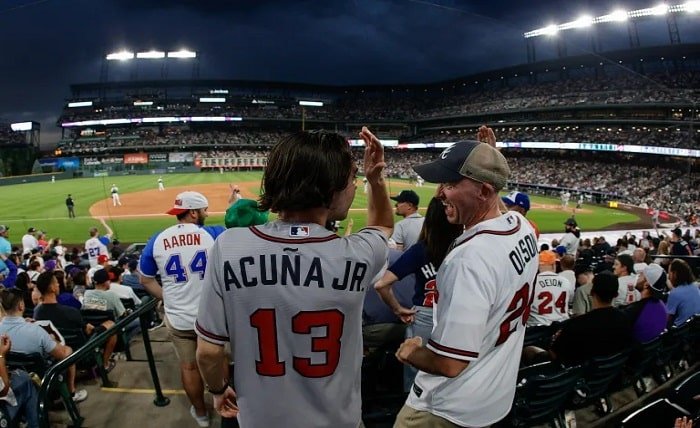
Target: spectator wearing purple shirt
649	315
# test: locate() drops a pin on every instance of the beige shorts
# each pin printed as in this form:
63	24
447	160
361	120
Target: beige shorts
409	417
185	342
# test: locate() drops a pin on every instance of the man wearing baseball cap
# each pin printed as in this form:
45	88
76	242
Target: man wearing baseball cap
520	202
5	246
468	369
407	230
29	241
572	236
179	254
649	314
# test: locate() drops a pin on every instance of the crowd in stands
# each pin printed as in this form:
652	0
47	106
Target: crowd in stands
636	135
427	103
45	289
8	136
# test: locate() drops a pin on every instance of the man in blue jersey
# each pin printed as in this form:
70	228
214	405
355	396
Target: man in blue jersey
179	255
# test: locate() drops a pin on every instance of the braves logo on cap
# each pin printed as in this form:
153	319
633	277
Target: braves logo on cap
178	202
445	152
299	231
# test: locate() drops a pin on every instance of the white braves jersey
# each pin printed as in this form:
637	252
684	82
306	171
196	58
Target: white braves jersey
179	255
94	247
553	293
484	290
626	291
288	297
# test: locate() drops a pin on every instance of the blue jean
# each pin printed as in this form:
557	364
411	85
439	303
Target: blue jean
422	326
27	396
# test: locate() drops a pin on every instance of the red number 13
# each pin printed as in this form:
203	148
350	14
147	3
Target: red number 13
264	320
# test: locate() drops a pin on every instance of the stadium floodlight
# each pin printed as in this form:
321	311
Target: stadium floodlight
21	126
212	100
661	9
618	16
311	103
550	30
182	54
150	55
80	104
120	56
143	103
691	6
582	22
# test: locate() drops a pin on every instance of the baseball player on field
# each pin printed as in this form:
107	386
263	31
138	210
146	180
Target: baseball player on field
161	187
97	245
115	195
553	293
180	254
468	368
288	294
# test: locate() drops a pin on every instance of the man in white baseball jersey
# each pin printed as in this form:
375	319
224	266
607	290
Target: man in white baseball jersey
96	245
288	294
565	196
469	367
29	241
115	195
623	268
407	230
553	293
161	187
179	254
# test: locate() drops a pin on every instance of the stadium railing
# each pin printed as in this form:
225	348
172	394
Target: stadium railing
53	375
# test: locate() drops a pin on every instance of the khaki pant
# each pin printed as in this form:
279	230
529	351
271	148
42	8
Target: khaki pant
185	342
409	417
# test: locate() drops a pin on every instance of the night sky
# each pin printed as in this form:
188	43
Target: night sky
49	44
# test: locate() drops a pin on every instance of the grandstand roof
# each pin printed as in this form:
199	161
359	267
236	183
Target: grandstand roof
591	60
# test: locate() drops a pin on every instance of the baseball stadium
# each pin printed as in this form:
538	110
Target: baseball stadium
602	147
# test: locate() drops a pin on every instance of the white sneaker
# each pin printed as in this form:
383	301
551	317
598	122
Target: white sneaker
202	421
80	395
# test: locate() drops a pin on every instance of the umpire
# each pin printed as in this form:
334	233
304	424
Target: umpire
70	204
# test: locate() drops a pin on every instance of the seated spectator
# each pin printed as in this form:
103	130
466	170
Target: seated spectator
101	298
120	290
8	271
552	294
66	317
583	302
29	338
65	296
649	315
623	268
602	331
17	390
639	255
684	298
130	278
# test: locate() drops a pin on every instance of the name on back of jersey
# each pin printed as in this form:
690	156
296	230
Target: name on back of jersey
292	270
181	240
525	251
549	282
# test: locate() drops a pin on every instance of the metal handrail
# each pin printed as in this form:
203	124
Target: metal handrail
52	376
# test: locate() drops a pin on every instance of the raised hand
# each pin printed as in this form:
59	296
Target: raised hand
374	155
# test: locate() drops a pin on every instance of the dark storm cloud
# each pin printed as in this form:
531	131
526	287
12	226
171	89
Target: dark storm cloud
49	44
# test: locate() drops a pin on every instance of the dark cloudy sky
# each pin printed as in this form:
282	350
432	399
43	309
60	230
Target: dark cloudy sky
49	44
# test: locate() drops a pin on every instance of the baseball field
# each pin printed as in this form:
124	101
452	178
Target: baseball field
42	205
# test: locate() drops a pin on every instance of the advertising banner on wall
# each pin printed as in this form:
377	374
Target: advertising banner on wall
176	157
113	160
135	158
157	157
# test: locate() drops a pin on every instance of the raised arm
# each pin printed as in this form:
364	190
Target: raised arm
379	212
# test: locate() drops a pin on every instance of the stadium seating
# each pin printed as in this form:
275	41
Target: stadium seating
541	393
599	374
660	413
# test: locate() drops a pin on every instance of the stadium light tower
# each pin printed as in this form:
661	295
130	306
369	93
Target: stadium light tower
664	9
126	55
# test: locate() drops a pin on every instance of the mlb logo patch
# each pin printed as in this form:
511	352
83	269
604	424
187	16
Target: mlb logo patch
299	231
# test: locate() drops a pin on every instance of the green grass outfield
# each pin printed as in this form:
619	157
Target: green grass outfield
42	205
